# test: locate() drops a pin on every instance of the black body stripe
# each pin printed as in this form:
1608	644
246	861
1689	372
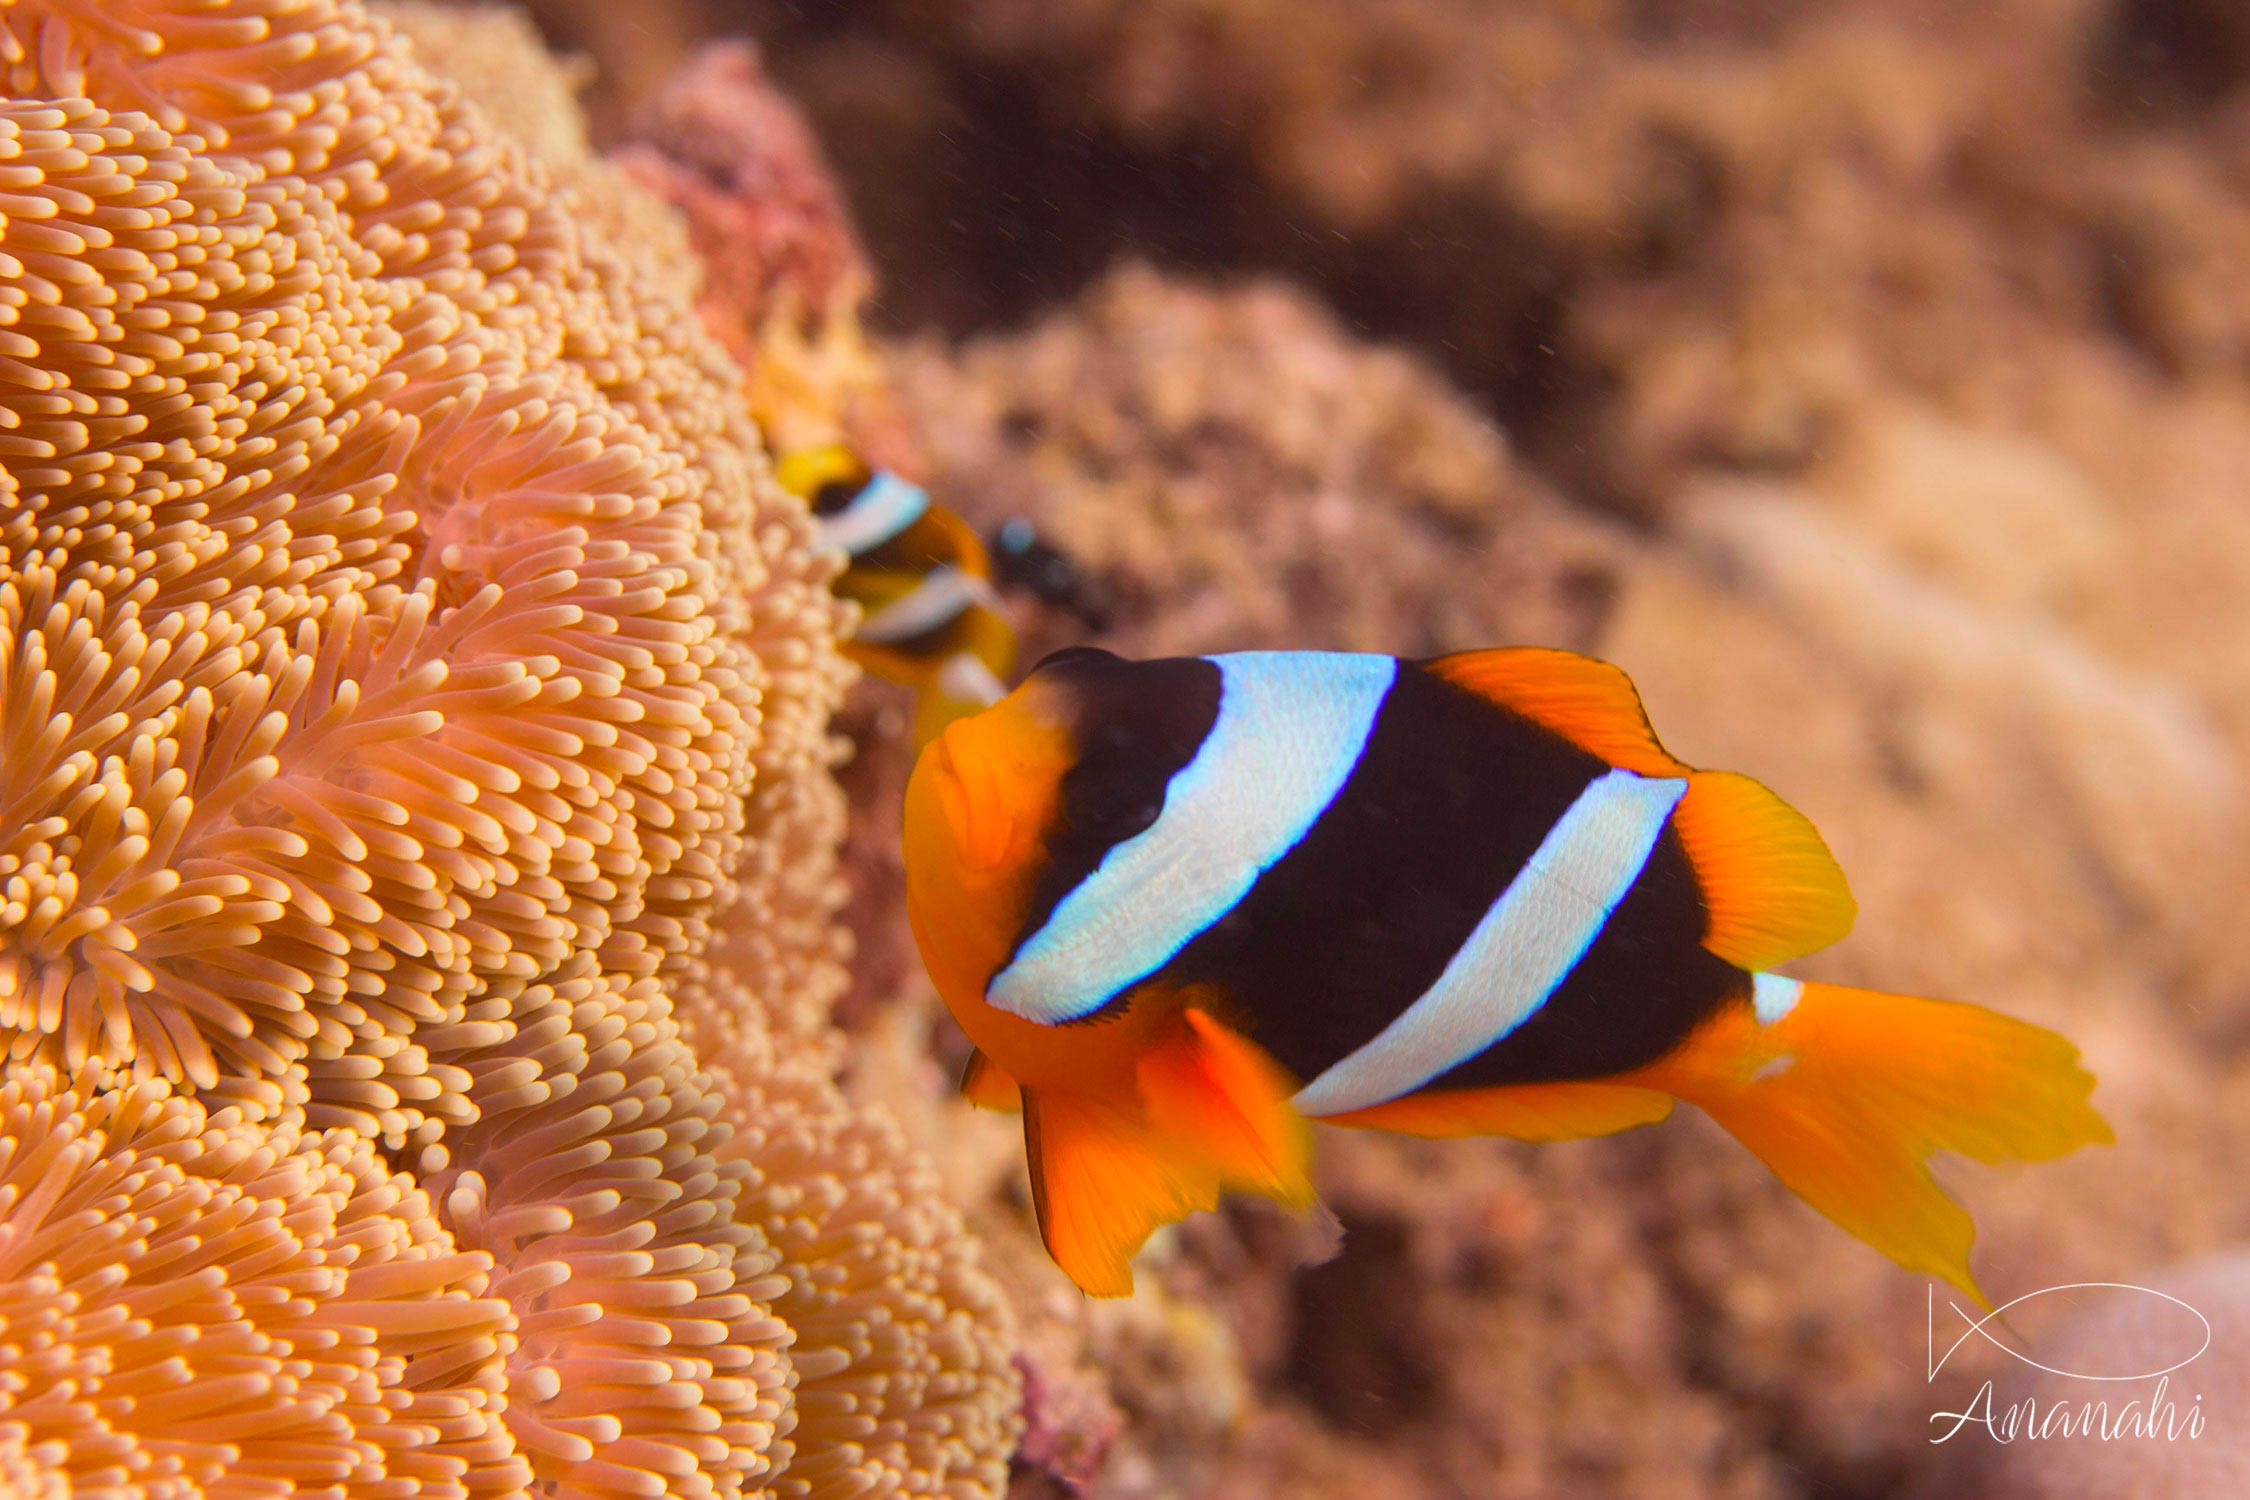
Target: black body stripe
1134	725
1450	798
1641	988
927	543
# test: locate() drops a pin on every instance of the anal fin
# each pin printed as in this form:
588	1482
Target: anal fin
1524	1111
984	1084
1212	1114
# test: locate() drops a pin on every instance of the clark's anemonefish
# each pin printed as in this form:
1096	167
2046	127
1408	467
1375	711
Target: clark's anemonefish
1184	906
930	617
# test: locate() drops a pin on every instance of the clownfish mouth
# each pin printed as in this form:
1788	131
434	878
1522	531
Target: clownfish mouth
974	810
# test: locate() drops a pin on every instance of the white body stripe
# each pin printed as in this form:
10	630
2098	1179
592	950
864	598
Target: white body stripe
1290	728
885	506
938	599
1773	997
1526	945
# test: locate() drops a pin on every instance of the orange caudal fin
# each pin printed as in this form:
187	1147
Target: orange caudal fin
1846	1093
1212	1113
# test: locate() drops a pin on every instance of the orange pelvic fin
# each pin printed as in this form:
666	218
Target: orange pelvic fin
1524	1112
1212	1113
1845	1094
1589	703
985	1085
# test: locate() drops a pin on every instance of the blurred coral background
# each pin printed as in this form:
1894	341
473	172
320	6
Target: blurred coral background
1871	379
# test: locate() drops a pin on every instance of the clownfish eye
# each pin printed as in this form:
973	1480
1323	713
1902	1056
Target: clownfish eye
827	477
836	495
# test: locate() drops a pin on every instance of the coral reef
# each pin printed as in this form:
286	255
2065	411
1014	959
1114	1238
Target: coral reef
405	662
786	281
1905	341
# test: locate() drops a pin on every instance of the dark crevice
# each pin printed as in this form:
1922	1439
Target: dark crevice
982	210
2159	57
1359	1337
982	213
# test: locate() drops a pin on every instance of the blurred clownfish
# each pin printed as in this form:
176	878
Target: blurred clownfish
1184	906
930	617
1023	559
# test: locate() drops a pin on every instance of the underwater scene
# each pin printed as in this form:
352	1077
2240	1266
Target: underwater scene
1124	749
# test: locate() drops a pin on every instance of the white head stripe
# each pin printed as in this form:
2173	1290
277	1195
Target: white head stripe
966	679
1773	997
885	506
1526	945
937	600
1290	728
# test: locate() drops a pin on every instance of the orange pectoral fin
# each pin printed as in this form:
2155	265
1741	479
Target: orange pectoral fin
1219	1095
1523	1112
1213	1114
985	1085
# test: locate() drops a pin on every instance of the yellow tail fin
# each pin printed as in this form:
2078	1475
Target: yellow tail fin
1845	1093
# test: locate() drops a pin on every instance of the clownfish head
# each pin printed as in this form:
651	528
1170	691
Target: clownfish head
825	476
979	806
1012	808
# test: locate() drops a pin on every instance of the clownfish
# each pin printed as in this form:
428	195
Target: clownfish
930	616
1023	559
1184	907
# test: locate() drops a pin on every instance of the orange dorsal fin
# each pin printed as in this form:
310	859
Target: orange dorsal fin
1212	1113
1773	889
1523	1112
1589	703
987	1086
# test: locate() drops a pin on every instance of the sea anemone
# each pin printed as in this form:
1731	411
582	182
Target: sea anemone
646	1361
370	632
898	1330
405	660
191	1302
